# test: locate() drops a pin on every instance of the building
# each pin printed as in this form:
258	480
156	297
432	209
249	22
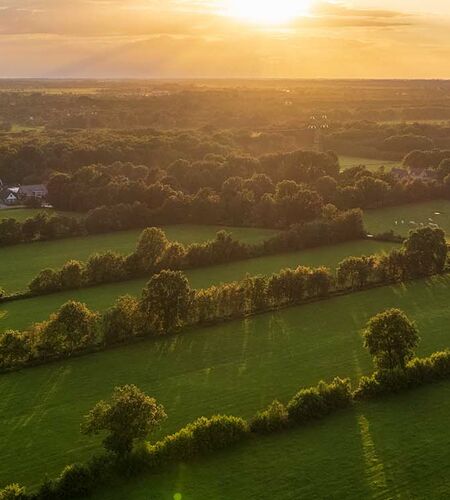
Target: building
8	197
38	191
16	195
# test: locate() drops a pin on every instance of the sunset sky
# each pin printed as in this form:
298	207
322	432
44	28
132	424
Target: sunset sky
225	38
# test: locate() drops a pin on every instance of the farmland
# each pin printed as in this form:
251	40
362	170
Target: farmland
401	219
371	164
86	380
236	367
22	313
367	452
21	214
19	264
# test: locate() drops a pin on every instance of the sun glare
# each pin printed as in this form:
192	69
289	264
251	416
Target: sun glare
269	12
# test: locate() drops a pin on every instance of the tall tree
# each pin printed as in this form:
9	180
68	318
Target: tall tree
150	248
426	251
391	339
166	301
129	416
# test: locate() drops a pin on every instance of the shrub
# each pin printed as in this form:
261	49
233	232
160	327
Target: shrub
71	275
417	372
13	492
119	321
15	348
316	402
272	419
46	281
202	436
75	481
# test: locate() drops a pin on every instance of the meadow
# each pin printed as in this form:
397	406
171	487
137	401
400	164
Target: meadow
367	452
19	264
235	367
371	164
21	214
402	219
20	314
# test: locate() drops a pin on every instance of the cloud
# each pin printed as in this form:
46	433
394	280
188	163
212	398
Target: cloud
186	38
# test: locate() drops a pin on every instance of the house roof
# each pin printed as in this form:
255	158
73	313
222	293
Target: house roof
31	189
7	193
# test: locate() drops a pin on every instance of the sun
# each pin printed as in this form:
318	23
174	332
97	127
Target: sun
268	12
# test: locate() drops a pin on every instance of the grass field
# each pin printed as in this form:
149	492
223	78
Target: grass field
21	214
371	164
19	264
235	367
20	314
366	452
408	217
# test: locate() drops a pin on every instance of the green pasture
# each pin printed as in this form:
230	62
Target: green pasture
19	264
371	164
21	214
403	218
20	314
393	448
236	368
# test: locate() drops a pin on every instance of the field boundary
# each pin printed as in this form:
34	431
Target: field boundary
101	347
205	436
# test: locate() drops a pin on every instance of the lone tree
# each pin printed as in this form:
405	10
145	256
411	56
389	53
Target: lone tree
130	415
391	338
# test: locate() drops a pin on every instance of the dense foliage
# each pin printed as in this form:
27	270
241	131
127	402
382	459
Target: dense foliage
154	252
130	416
391	339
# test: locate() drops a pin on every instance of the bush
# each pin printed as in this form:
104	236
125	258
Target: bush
417	372
13	492
75	481
316	402
46	281
273	419
202	436
119	321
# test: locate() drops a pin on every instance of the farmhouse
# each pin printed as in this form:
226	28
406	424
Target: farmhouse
38	191
9	197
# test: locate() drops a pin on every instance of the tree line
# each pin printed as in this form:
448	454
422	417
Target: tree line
168	304
130	416
273	191
240	187
155	252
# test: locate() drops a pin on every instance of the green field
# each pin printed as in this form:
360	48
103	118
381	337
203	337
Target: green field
20	314
235	367
21	214
19	264
366	452
371	164
402	219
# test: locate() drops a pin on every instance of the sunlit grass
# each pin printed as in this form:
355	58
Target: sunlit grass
235	367
19	264
353	161
22	313
401	219
392	448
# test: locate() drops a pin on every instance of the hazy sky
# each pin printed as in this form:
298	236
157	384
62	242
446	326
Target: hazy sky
225	38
